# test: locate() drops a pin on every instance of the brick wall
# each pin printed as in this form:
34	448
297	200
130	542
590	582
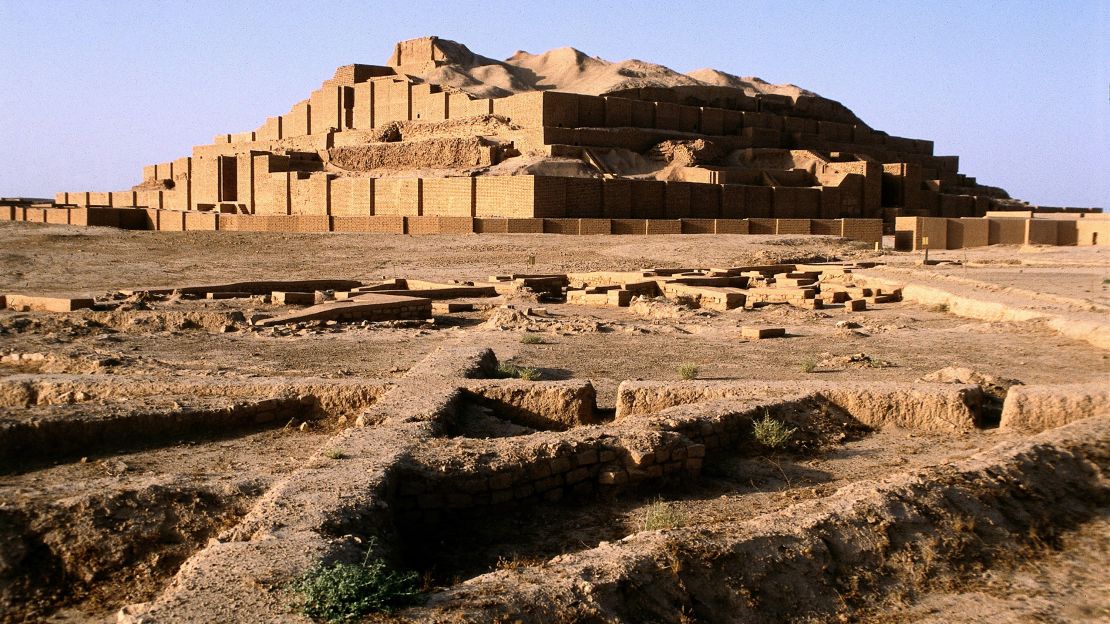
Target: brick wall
449	197
352	196
200	221
503	196
699	226
731	226
792	226
676	200
963	233
326	109
297	122
648	199
397	196
595	226
618	112
584	197
616	198
591	112
629	226
438	225
1006	232
705	201
309	194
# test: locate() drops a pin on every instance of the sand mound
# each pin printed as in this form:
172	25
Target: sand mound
569	69
750	85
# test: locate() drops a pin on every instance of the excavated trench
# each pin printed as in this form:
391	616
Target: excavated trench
520	482
879	537
110	484
454	524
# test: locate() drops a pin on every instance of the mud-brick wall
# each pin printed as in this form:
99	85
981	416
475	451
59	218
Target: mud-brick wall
352	197
326	108
555	471
429	104
449	197
398	196
67	435
520	197
298	121
309	194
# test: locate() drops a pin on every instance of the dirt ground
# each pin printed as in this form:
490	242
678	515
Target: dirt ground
202	484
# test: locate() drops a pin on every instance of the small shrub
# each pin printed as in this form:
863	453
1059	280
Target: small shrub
346	591
506	370
527	373
940	307
661	515
335	454
772	433
809	365
531	339
689	370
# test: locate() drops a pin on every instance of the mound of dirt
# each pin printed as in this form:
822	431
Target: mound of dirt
569	69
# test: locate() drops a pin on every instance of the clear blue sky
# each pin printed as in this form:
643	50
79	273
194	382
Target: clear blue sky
91	91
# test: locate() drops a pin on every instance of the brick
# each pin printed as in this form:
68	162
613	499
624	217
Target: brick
293	298
759	333
47	304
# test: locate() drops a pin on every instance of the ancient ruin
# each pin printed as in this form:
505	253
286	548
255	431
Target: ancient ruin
442	140
269	409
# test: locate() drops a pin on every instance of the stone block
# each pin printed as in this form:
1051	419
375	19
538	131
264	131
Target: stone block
293	298
759	333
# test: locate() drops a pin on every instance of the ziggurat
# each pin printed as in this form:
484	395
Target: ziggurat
397	148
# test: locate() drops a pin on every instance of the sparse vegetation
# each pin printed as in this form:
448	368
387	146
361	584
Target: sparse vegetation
940	307
772	433
809	365
662	515
508	370
688	370
341	592
531	339
335	454
527	373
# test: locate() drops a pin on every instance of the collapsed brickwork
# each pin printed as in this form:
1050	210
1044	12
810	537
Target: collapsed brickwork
381	141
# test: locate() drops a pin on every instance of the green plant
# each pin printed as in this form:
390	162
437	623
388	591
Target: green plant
342	592
527	373
507	370
661	515
770	432
809	365
334	454
688	370
531	339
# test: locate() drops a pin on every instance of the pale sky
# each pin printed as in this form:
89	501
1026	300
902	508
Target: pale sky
91	91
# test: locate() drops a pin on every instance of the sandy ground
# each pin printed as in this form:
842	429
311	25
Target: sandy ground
905	341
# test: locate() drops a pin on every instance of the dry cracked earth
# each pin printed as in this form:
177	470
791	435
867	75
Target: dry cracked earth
164	460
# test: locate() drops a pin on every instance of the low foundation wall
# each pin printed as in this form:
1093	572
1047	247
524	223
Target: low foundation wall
65	432
918	406
865	230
